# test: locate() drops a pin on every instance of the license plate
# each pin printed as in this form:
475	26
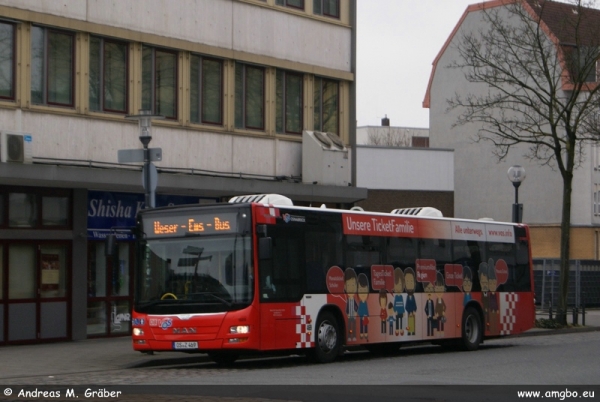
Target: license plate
185	345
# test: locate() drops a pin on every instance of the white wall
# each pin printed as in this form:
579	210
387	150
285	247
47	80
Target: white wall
227	24
425	169
62	137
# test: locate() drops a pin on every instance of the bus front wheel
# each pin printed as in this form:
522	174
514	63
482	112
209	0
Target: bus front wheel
327	338
472	330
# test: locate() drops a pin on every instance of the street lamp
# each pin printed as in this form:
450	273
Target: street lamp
516	174
144	119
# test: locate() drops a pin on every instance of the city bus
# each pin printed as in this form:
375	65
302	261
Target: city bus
258	274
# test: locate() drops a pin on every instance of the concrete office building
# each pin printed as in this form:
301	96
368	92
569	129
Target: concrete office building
237	82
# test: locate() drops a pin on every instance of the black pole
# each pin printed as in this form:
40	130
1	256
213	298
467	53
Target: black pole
517	210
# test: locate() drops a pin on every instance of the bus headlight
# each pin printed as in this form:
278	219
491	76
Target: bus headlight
240	329
138	332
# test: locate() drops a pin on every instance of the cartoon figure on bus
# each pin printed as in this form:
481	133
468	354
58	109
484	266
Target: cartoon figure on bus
467	285
485	294
440	304
363	308
391	317
383	309
351	289
411	303
399	300
494	303
429	308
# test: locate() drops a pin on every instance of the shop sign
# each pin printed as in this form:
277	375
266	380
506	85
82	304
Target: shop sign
115	212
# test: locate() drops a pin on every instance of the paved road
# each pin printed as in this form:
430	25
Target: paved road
112	362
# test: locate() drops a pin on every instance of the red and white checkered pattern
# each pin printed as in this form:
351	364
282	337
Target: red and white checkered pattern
304	328
508	309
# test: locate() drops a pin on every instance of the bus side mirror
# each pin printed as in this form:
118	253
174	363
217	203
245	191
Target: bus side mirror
265	248
110	248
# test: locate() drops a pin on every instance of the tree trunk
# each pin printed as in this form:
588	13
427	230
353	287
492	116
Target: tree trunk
565	242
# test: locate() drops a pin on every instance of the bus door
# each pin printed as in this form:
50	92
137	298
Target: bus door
281	287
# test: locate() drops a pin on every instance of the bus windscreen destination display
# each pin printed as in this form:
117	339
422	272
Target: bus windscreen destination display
204	224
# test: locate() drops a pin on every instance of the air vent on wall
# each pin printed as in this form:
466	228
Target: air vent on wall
15	147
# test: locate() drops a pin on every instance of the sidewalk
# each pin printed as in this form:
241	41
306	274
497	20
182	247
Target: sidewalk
96	355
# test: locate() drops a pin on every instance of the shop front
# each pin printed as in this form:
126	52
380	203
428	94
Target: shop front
35	266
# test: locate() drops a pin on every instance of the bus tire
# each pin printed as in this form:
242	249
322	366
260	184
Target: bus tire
472	330
327	338
222	358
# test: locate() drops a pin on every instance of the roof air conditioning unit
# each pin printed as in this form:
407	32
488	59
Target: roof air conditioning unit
15	147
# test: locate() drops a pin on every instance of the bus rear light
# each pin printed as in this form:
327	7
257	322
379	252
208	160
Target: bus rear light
239	329
138	332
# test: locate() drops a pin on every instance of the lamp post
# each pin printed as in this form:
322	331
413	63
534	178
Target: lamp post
516	174
144	119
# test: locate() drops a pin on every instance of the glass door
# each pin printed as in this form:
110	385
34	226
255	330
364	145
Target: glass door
37	299
109	290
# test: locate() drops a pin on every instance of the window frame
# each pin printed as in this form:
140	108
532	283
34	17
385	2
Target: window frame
102	75
321	8
245	94
201	84
320	108
153	97
38	194
13	64
47	31
285	3
284	100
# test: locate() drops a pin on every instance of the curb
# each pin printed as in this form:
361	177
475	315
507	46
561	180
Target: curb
558	331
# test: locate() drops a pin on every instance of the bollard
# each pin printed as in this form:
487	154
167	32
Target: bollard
575	313
550	311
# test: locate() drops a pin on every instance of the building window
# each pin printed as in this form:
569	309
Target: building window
206	90
159	81
289	102
329	8
326	103
249	96
7	61
108	75
35	210
52	67
291	3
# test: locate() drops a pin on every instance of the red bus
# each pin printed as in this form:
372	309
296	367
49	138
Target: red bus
258	274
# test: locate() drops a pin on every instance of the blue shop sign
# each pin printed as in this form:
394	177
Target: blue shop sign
108	211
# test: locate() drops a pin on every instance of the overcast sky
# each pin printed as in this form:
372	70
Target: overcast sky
397	42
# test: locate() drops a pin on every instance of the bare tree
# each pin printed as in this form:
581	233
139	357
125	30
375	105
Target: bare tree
388	136
540	89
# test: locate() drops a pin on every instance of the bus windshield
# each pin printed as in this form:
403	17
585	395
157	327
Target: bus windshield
188	275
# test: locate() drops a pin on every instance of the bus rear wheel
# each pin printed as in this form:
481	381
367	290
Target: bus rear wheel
472	330
327	339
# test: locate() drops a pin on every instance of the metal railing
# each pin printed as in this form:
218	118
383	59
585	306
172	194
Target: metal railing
584	284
